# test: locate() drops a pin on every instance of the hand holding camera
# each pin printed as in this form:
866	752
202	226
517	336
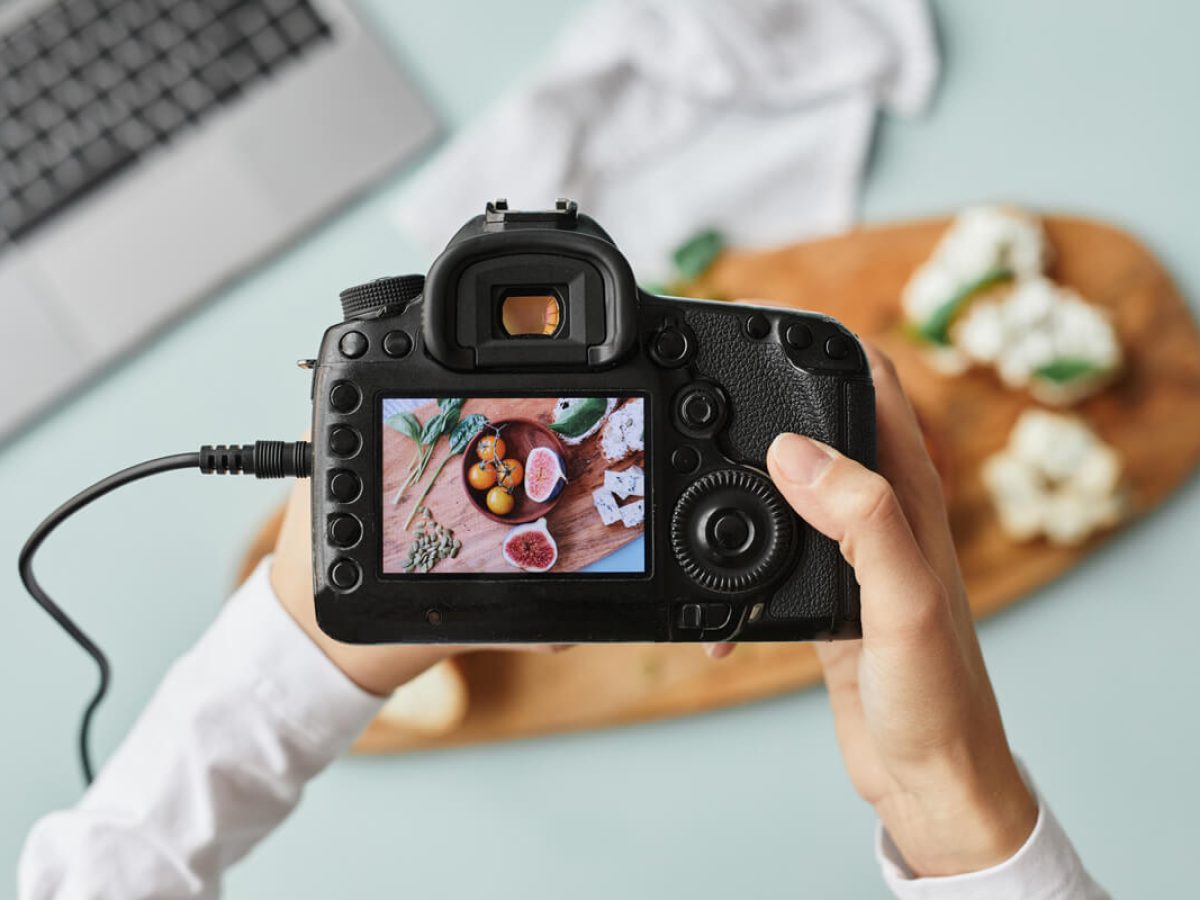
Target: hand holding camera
916	719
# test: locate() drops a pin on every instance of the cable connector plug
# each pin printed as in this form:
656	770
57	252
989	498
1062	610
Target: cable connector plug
262	459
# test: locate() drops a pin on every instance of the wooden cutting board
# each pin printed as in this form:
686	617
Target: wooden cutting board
1152	416
581	536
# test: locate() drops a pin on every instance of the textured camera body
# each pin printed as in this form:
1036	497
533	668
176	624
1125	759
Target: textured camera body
724	557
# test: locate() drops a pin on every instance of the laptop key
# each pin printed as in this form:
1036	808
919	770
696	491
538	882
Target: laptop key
165	117
218	78
134	135
269	47
300	26
194	97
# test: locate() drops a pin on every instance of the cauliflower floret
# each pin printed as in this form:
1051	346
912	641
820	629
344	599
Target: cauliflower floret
982	239
1042	337
1055	478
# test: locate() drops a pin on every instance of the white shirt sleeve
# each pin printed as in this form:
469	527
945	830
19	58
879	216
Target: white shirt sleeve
218	758
1045	868
221	754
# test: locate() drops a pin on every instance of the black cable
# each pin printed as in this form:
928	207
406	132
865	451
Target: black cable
263	459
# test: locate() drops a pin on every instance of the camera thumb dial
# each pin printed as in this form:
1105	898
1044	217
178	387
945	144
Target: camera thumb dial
731	531
394	292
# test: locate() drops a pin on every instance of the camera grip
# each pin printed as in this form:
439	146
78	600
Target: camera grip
770	394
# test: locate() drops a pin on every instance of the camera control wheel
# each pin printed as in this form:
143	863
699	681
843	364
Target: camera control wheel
731	531
396	291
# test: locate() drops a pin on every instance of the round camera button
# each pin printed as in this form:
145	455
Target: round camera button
731	531
343	574
344	441
798	337
397	344
698	410
671	345
685	460
353	344
758	327
344	397
838	347
344	486
344	530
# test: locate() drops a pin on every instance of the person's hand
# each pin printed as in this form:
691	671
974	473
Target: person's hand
377	668
916	719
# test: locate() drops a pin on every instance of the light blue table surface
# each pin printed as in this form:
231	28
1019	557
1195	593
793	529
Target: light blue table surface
1078	105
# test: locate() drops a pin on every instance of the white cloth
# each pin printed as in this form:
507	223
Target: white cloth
665	117
240	724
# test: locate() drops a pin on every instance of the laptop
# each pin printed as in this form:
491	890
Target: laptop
151	150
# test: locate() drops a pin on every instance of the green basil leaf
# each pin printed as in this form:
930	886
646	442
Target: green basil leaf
405	423
450	419
448	403
694	256
936	329
1068	368
433	428
465	431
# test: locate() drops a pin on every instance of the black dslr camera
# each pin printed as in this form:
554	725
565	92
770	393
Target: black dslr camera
523	446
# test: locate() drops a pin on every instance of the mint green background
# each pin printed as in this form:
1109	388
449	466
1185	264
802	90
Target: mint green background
1088	107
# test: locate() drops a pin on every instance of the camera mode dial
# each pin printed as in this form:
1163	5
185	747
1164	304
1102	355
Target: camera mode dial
395	292
731	531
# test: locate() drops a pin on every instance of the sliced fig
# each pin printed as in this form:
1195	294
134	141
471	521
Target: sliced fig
531	547
545	474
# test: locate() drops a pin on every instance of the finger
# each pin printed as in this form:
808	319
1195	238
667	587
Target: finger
719	650
857	508
904	461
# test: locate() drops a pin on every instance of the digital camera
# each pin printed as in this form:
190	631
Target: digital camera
523	446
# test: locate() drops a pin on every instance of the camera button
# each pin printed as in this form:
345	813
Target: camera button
343	574
344	441
344	486
671	347
715	615
353	344
690	616
685	460
344	397
838	347
698	410
798	337
397	344
758	327
731	532
344	530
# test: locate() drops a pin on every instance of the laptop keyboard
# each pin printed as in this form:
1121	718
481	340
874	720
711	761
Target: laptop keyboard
89	86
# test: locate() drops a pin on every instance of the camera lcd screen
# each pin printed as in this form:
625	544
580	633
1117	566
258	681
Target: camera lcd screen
514	485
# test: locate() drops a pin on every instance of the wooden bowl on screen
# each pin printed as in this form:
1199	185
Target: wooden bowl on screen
521	437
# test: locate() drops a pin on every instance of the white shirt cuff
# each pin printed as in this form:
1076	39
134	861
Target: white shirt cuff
1045	868
268	651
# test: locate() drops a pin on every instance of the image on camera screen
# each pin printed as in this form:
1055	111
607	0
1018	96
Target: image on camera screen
514	485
